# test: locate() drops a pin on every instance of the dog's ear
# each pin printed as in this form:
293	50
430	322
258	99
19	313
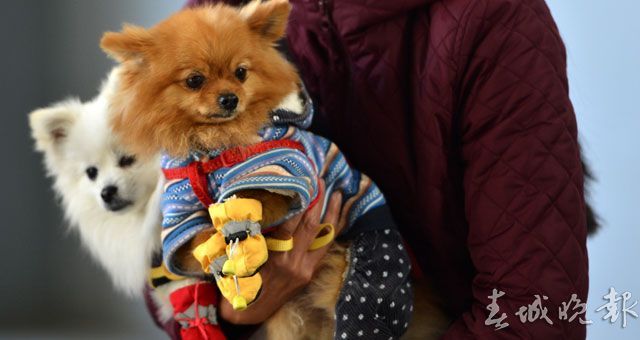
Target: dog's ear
50	126
267	19
129	44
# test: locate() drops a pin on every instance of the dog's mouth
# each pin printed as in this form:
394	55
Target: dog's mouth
118	204
220	117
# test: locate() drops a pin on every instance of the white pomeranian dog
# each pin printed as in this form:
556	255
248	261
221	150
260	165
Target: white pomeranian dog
108	196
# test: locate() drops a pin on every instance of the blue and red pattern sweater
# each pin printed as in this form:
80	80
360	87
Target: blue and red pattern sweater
285	170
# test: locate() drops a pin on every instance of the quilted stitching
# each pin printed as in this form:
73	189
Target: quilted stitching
465	103
487	100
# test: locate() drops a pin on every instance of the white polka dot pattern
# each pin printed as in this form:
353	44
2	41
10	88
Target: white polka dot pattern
376	300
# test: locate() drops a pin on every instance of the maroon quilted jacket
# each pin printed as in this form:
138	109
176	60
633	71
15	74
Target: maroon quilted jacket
459	110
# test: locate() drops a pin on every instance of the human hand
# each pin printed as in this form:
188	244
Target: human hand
286	273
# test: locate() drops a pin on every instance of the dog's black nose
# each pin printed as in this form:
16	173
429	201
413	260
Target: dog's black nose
108	193
228	101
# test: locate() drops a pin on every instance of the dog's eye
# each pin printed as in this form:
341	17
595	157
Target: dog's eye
92	172
241	73
195	81
126	161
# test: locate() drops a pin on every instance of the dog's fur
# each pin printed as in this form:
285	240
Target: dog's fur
157	109
74	136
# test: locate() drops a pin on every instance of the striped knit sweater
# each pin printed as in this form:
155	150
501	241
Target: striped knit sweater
284	170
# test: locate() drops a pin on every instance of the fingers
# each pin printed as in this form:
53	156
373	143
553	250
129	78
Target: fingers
291	226
308	228
333	212
287	228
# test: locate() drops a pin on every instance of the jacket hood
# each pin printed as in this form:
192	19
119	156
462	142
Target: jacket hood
295	109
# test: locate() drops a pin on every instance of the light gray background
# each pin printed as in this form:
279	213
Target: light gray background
603	44
50	288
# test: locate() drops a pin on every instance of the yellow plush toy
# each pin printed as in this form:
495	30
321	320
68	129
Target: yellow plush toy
237	249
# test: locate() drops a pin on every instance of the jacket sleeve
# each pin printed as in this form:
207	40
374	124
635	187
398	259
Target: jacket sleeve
183	217
523	178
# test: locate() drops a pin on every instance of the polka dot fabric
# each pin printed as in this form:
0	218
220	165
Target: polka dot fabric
376	300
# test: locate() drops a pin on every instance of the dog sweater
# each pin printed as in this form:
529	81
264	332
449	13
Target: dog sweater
291	168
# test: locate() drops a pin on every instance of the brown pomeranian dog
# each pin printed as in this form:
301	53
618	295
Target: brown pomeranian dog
207	79
188	85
